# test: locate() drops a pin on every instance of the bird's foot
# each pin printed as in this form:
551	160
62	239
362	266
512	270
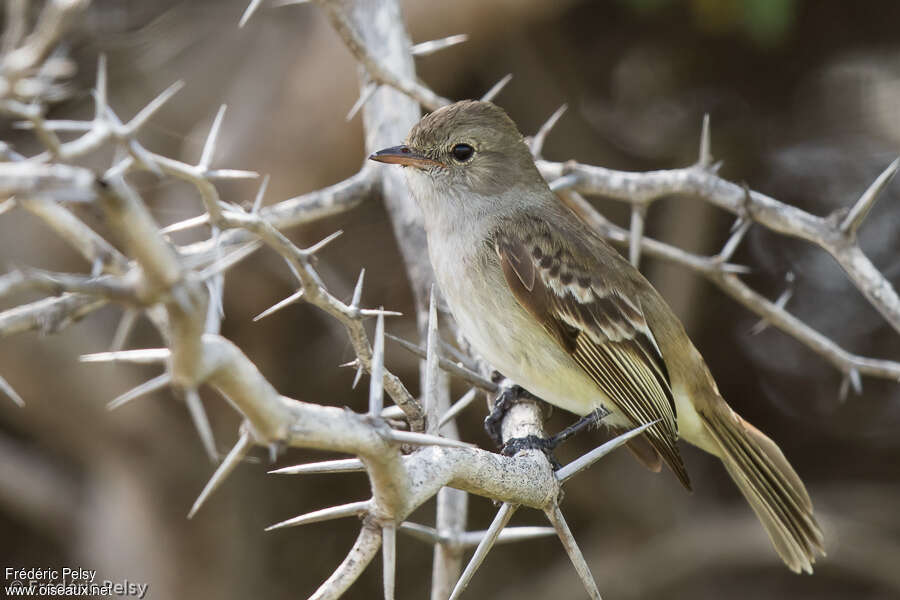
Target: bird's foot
505	400
592	418
532	442
549	444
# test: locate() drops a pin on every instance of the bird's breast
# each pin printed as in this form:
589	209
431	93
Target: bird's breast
504	333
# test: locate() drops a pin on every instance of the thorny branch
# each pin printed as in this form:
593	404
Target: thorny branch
180	289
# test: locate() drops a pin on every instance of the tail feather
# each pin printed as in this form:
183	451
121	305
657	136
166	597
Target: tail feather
771	486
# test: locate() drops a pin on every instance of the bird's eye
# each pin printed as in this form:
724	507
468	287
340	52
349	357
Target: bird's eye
462	152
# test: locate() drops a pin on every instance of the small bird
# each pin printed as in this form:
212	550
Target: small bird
552	306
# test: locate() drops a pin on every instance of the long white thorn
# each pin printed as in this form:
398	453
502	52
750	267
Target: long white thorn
100	95
11	393
144	356
583	462
851	379
458	407
295	297
865	203
324	242
423	533
432	46
496	89
234	457
124	328
568	541
230	174
147	387
260	194
368	90
537	144
326	514
357	377
389	556
357	290
191	223
423	439
503	516
209	147
780	302
145	114
7	205
507	536
734	240
248	12
344	465
704	159
376	376
638	215
229	260
432	369
201	423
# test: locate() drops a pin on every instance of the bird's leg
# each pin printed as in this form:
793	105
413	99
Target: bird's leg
549	444
592	418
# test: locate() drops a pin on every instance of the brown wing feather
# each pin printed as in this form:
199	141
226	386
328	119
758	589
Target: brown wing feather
605	332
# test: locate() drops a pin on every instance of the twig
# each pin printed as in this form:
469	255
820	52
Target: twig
374	67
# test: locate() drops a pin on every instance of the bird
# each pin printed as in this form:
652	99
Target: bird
550	305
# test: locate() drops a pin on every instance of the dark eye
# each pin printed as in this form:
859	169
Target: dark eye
462	152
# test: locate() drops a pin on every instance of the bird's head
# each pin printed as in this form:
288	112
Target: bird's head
465	156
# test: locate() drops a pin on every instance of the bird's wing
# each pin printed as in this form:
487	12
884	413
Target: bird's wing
603	329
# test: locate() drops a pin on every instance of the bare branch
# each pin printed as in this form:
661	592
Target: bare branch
448	366
375	69
731	284
644	188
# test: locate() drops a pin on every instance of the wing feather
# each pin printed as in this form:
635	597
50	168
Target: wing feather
605	332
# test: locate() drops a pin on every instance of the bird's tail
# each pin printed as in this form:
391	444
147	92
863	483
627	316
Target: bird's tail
770	485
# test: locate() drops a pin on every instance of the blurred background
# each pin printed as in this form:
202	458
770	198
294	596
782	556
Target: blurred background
804	99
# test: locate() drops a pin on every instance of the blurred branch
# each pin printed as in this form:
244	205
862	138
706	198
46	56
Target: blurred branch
28	71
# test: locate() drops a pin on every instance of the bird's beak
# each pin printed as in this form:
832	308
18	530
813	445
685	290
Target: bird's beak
406	156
